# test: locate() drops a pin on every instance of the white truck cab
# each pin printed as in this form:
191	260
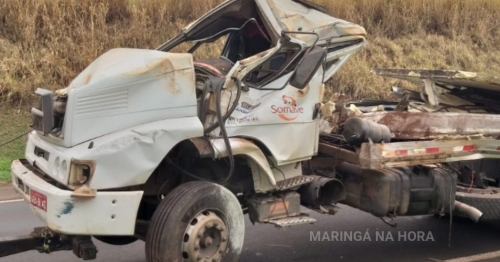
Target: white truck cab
136	124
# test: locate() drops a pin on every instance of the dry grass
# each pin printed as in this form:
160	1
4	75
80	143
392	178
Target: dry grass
433	34
47	42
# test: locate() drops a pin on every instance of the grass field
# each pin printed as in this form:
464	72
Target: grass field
46	43
12	122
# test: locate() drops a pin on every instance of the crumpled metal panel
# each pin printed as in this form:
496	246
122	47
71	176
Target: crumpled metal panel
124	158
127	87
432	125
453	78
292	16
278	16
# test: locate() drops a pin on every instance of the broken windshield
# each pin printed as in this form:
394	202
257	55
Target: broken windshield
227	17
233	31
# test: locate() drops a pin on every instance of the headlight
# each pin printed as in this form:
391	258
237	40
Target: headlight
63	167
81	172
59	168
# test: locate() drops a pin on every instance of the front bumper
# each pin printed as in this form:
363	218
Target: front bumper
108	213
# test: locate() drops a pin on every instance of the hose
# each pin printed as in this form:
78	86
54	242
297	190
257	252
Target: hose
221	122
213	126
222	125
203	103
473	213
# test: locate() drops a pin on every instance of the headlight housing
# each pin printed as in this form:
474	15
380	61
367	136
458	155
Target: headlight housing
81	173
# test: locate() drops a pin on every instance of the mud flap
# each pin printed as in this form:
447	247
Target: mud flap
45	241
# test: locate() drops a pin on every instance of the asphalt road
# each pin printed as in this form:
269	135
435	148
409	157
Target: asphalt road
267	243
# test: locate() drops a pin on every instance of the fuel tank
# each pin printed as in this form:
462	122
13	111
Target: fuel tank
417	190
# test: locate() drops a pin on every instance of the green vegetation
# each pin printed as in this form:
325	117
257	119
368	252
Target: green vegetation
13	122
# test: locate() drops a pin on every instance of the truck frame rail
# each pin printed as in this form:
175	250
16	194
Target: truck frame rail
410	153
45	241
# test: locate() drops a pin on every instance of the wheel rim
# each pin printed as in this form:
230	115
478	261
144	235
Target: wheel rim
205	238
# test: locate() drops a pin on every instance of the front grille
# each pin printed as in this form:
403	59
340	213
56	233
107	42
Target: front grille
41	153
39	173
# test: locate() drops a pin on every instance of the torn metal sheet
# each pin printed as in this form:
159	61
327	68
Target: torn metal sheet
459	91
449	78
295	17
277	16
447	102
432	92
432	125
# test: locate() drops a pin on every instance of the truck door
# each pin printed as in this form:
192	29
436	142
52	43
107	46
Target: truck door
276	110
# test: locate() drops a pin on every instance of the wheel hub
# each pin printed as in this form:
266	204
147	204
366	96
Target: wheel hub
205	238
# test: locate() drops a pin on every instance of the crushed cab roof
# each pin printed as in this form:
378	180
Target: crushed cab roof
294	16
277	15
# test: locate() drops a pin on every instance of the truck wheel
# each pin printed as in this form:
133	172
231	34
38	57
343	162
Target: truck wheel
489	204
486	200
197	221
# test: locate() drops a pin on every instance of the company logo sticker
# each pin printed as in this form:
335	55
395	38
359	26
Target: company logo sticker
249	106
242	110
289	111
246	108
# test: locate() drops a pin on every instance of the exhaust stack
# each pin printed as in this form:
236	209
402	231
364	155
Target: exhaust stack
321	193
469	211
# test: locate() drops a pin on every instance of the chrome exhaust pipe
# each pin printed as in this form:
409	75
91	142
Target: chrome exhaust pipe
469	211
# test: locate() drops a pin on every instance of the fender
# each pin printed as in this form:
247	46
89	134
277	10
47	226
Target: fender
263	176
130	156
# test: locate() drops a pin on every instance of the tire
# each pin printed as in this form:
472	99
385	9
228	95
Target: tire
196	214
116	241
487	203
486	200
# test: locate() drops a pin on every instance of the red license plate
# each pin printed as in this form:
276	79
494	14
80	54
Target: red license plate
38	199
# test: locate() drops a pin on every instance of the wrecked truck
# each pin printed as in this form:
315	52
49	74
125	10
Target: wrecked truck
441	139
157	146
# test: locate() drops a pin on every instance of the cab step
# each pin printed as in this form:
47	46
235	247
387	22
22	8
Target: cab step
293	221
293	182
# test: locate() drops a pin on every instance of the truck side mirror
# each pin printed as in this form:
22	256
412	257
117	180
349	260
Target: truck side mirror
308	67
43	113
